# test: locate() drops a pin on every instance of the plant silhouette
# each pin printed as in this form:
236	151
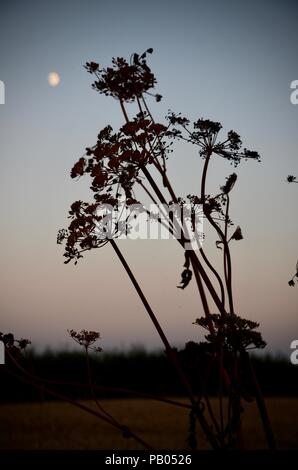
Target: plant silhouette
121	164
121	161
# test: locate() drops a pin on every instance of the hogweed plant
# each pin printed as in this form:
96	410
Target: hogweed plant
123	161
133	161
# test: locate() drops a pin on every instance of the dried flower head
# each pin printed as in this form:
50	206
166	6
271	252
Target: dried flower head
291	281
15	346
124	81
235	332
291	179
228	186
205	136
237	235
86	338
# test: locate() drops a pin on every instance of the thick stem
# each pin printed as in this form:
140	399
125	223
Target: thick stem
222	290
214	225
196	264
261	405
171	354
220	390
227	259
91	385
259	398
204	299
195	261
124	110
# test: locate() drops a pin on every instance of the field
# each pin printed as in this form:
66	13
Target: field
56	425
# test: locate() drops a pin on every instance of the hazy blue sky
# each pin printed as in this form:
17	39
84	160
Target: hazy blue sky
231	61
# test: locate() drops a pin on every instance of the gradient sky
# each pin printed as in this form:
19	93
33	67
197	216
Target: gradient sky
230	61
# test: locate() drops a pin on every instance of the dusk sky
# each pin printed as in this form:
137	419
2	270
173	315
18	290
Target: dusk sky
230	61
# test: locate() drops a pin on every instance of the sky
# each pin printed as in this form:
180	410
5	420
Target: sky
229	61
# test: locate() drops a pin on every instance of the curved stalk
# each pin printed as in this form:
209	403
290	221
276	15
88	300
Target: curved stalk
227	259
227	255
170	352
